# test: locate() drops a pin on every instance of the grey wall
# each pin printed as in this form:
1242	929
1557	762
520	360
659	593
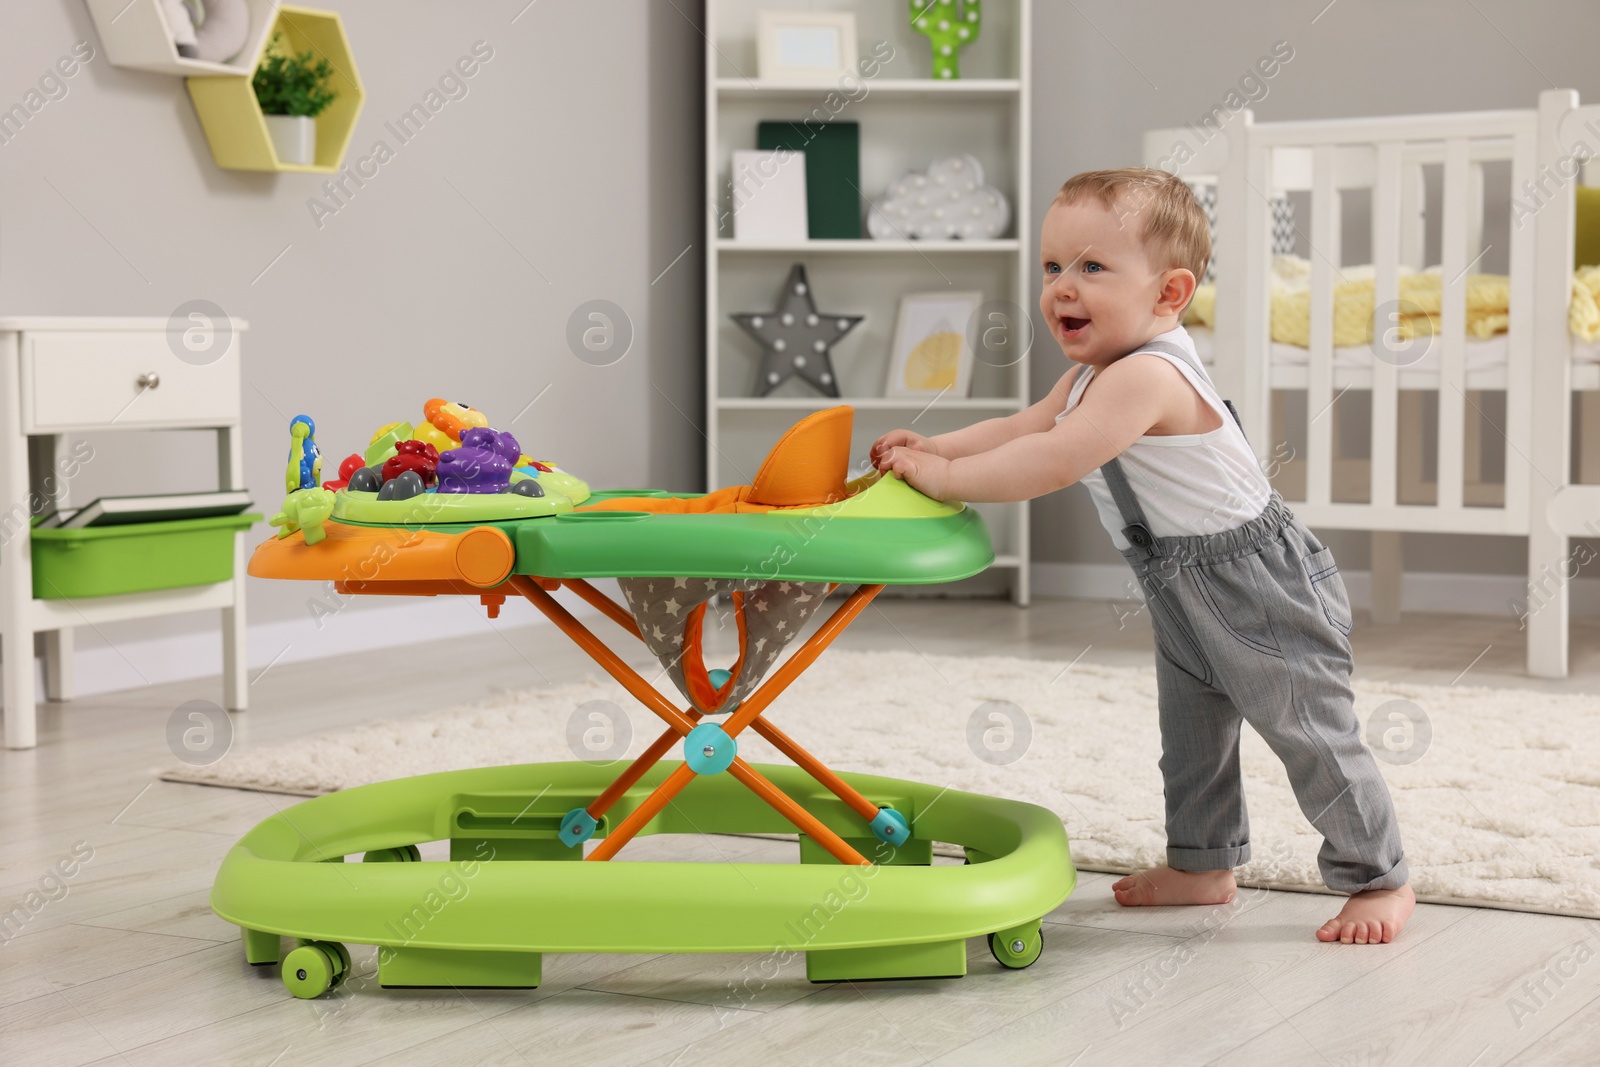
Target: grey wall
571	170
578	156
1143	65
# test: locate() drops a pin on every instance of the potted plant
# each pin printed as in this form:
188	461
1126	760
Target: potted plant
293	90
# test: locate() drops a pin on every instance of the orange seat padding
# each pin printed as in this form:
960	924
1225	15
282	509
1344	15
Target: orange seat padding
806	468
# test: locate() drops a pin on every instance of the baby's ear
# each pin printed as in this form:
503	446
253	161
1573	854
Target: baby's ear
1177	289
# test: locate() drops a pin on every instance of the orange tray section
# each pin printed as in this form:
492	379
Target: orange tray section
481	556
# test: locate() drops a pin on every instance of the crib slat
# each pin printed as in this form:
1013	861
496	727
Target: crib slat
1413	208
1387	198
1240	369
1550	435
1324	267
1520	337
1455	236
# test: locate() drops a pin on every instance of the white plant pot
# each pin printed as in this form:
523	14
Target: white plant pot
294	138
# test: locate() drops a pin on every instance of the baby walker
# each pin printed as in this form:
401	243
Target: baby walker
457	509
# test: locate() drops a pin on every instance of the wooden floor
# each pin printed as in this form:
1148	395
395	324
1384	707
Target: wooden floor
124	963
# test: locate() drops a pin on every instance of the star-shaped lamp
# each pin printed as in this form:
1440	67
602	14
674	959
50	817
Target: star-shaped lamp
796	337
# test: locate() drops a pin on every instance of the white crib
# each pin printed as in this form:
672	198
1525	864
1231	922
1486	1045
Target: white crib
1536	374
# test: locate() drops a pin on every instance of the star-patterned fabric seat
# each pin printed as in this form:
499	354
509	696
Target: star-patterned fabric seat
806	468
671	613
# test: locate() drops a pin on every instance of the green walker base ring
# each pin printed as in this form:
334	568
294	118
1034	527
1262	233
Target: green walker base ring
510	892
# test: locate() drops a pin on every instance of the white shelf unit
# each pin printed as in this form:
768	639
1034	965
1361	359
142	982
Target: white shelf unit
906	120
134	33
869	248
921	88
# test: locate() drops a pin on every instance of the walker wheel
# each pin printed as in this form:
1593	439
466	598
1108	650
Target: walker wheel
398	854
1017	947
311	970
343	962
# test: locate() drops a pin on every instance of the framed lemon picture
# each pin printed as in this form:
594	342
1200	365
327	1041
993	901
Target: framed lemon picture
932	350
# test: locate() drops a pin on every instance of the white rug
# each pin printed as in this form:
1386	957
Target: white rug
1502	809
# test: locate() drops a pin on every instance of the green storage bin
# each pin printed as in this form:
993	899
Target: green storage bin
135	557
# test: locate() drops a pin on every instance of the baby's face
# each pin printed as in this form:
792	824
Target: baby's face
1100	293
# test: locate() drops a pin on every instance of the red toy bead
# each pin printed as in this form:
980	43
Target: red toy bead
416	456
417	448
352	463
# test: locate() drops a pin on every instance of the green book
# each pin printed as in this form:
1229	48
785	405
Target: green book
833	171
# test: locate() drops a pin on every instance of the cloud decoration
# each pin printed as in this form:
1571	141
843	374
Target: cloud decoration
947	203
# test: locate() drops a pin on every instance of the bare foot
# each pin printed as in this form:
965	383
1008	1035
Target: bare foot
1168	885
1371	918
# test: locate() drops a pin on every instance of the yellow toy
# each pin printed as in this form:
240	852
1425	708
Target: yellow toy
444	422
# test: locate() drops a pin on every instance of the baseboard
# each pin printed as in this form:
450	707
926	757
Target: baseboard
100	668
1429	591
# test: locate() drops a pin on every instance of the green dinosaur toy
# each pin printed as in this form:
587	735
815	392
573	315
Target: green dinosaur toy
948	24
305	510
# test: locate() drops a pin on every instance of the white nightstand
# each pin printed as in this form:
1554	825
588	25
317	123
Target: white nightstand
75	375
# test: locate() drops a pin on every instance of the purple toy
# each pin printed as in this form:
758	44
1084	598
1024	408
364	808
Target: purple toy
481	465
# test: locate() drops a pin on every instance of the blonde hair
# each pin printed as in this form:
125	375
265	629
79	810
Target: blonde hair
1172	224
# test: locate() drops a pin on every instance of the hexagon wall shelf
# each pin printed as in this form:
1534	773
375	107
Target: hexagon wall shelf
232	119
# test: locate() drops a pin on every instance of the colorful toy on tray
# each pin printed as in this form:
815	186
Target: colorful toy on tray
452	467
305	507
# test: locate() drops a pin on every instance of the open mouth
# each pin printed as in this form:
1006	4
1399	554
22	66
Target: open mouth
1071	327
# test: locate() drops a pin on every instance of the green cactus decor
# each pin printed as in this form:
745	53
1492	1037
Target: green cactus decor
948	24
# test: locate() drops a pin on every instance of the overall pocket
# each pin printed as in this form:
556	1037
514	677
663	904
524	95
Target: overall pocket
1172	633
1323	573
1229	590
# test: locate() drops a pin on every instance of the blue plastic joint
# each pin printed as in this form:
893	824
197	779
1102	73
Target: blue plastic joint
577	826
708	749
890	827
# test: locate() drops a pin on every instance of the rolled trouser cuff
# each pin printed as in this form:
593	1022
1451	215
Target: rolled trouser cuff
1208	859
1393	878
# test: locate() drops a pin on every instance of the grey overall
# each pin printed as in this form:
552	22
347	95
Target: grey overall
1251	624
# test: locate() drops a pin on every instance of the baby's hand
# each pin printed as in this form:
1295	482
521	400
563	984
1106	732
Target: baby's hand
899	439
927	473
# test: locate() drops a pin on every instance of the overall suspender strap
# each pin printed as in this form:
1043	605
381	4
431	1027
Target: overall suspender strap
1170	349
1135	529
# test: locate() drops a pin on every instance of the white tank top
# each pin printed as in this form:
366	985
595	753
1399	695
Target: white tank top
1198	483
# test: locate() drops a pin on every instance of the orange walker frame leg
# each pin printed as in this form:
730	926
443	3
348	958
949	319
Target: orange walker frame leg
680	723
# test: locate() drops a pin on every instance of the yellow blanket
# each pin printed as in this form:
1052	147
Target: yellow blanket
1421	294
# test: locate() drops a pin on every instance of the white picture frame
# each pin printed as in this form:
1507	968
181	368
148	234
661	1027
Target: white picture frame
769	196
805	46
923	359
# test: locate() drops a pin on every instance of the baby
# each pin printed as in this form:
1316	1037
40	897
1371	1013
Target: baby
1250	615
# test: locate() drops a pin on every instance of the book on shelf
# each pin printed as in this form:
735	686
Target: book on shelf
832	168
160	507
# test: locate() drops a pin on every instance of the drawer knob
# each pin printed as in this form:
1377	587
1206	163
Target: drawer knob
149	381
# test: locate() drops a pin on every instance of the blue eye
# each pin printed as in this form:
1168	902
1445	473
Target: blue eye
1092	267
1052	268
